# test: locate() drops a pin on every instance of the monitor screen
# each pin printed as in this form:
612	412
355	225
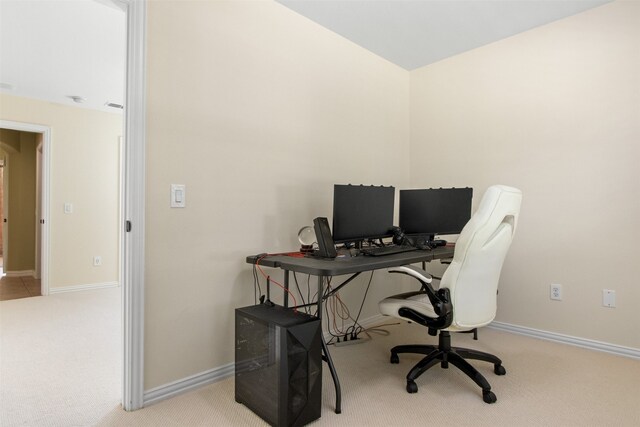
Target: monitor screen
362	212
435	211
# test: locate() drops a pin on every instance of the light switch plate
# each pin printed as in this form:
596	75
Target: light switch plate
608	298
178	196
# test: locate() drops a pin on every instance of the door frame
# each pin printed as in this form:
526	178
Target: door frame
39	212
5	196
45	131
132	248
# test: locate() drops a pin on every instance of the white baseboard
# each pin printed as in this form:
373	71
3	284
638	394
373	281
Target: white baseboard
193	382
20	273
618	350
184	385
74	288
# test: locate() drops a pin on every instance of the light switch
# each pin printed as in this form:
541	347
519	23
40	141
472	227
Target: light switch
608	298
177	195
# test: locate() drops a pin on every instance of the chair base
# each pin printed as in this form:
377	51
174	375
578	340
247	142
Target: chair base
445	354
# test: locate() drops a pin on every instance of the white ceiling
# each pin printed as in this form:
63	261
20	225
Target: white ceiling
415	33
54	49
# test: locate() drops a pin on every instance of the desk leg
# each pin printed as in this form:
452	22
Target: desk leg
286	289
325	350
334	375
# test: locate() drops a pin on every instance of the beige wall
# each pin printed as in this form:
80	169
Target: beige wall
20	174
554	111
258	112
84	172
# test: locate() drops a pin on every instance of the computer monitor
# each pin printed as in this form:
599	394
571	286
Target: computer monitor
434	211
362	212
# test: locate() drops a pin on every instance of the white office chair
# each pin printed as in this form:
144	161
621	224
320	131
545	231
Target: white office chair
467	295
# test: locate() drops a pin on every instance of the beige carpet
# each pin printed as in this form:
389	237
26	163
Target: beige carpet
60	366
547	384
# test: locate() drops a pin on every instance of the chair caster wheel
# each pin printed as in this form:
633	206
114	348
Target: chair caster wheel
394	358
489	397
499	370
412	387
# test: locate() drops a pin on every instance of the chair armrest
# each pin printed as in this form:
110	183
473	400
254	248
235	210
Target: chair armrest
443	320
415	272
439	299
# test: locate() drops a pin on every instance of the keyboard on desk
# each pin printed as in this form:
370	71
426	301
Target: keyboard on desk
386	250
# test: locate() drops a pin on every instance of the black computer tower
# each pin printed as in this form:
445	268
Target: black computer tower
279	364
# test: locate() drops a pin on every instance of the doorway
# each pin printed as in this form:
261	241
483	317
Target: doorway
21	208
44	322
2	232
132	254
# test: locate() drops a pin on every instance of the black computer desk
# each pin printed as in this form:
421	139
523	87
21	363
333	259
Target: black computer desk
347	265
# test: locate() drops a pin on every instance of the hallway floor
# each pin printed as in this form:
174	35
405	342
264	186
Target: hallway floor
16	287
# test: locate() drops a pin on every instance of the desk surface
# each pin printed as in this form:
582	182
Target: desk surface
350	265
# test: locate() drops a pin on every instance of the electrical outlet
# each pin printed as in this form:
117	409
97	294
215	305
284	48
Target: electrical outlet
608	298
555	292
97	261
